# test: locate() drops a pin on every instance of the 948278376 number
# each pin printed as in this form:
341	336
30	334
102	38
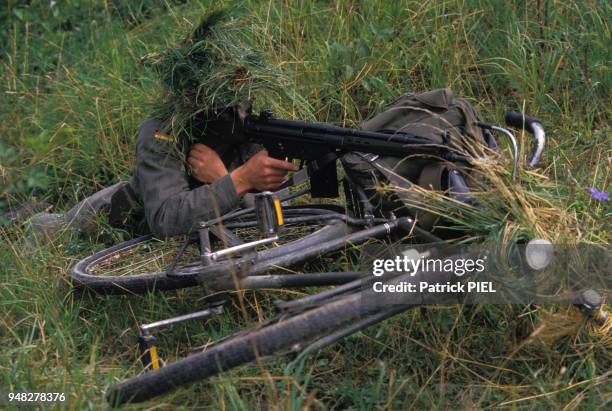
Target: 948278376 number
39	397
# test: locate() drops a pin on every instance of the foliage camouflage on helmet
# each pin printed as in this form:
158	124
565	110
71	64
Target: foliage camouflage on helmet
215	67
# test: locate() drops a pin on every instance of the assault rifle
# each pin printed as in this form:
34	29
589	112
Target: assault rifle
319	145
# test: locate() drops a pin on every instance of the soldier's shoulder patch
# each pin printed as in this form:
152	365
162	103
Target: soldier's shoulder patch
163	137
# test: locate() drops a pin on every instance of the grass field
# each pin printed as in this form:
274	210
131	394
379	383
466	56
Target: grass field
73	91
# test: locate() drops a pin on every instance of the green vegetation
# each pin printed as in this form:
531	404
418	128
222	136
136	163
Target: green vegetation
74	88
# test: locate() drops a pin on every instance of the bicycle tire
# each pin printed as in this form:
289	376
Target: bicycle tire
184	276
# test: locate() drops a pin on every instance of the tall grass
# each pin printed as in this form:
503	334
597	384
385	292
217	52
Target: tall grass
73	91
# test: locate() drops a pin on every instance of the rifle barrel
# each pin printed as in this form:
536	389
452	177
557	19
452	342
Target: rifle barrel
258	124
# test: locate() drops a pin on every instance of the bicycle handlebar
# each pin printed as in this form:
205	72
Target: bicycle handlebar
533	126
516	120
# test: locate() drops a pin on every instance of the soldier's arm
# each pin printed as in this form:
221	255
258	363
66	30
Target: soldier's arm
171	206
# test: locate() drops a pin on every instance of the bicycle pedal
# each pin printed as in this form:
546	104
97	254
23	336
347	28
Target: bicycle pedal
148	349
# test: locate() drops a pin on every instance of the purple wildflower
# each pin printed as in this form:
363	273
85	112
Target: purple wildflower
599	195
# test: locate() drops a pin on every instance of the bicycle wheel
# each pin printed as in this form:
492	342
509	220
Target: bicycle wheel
140	265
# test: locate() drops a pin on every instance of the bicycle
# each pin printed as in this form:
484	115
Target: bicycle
237	251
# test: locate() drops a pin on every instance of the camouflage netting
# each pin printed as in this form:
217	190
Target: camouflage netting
216	66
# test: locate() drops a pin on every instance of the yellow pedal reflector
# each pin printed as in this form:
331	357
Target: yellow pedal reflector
279	211
154	357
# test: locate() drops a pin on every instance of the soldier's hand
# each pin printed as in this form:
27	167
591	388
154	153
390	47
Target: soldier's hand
261	173
206	165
